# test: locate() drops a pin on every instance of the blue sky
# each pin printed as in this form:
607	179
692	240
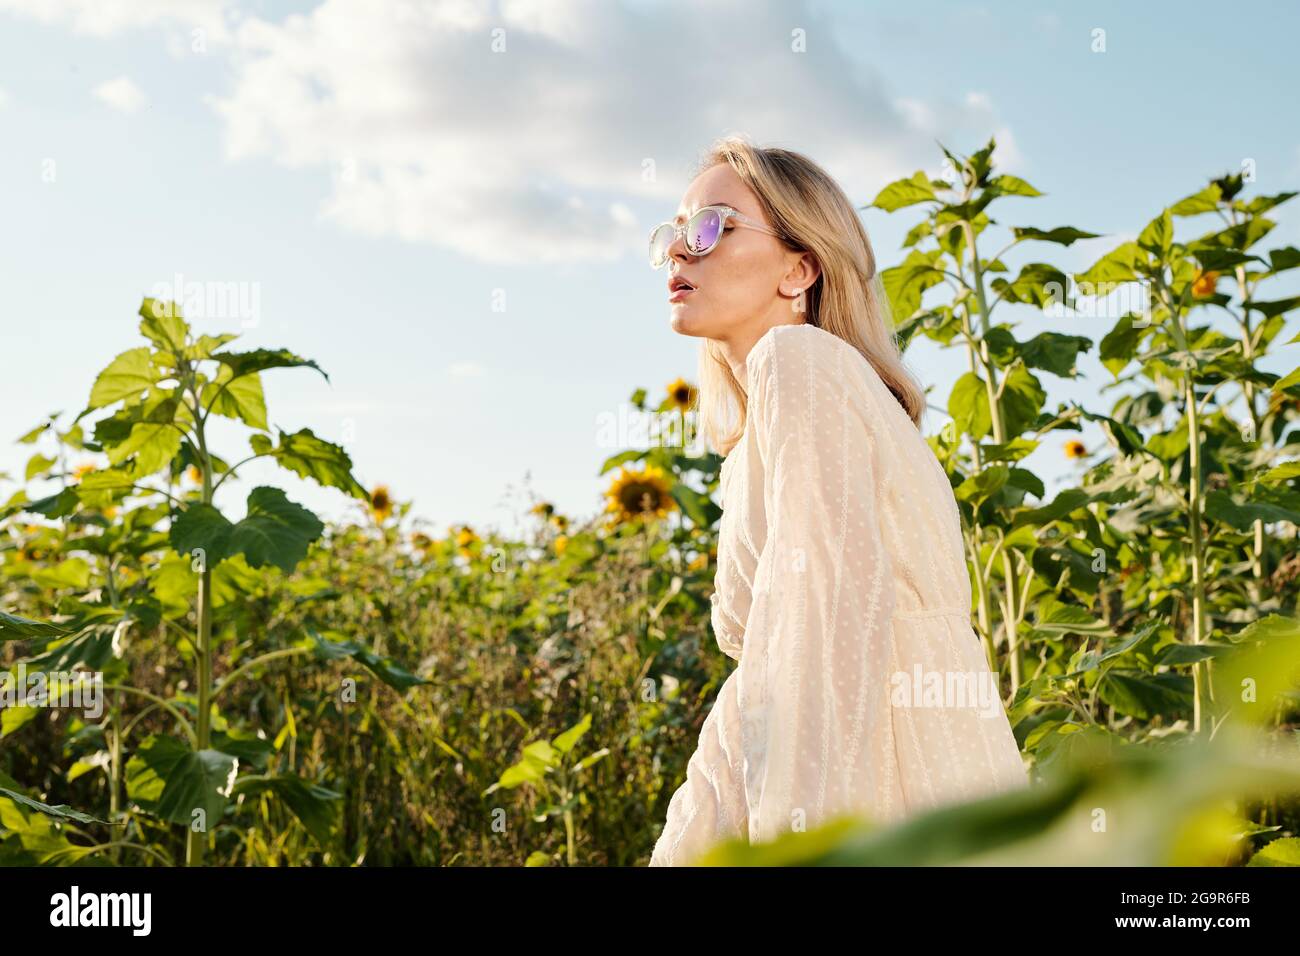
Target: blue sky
384	183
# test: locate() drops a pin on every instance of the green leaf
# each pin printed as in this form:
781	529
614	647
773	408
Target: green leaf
905	284
153	446
968	404
1123	436
1118	265
1276	307
127	376
304	454
1055	352
1267	506
59	812
1281	852
622	458
905	192
1006	185
161	323
700	508
1022	399
274	531
566	741
1267	661
1071	499
316	807
1037	284
983	484
1146	696
239	397
52	506
259	360
14	628
382	667
1158	236
38	464
171	781
1205	201
1061	235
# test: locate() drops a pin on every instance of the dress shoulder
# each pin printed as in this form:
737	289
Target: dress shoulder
787	350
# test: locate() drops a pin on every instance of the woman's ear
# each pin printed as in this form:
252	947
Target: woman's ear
801	276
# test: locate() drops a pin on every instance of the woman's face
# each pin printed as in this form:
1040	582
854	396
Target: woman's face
748	282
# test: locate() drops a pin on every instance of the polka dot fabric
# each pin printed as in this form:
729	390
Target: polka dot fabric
842	591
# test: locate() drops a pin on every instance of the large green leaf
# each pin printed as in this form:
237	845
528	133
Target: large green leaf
1037	284
1146	696
1118	265
170	780
968	404
304	454
127	376
259	360
239	397
315	806
1266	505
274	531
904	192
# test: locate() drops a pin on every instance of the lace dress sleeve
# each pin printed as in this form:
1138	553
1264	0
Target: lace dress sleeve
813	679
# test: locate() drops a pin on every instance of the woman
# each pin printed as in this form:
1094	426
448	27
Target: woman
841	585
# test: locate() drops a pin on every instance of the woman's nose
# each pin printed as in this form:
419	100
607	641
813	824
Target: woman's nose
677	250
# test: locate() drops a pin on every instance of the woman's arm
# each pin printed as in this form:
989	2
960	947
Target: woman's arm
814	686
710	805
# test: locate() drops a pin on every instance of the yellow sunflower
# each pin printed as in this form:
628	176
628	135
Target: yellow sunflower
421	541
1075	449
543	509
560	521
561	542
82	470
381	504
467	541
698	563
640	494
1204	283
681	394
194	474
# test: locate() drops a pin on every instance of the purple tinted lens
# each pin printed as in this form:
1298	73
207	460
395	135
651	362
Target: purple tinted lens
703	231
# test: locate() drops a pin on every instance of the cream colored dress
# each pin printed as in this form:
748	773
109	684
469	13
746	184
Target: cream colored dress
842	590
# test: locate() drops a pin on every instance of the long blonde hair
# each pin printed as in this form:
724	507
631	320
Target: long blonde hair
810	211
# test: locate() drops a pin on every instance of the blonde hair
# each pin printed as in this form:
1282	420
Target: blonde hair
812	214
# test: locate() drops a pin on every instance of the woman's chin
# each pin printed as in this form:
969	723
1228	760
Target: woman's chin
683	323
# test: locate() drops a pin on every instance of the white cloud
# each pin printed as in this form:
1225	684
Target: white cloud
538	153
106	17
466	369
4	97
564	146
964	127
121	94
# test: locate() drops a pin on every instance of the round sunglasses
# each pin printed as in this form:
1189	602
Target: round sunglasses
702	232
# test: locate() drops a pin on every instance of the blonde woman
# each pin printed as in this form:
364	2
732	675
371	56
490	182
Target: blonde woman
841	586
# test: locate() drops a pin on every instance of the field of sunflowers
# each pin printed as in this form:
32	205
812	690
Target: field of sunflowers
281	690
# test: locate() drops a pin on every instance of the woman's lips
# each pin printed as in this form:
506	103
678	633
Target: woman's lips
677	295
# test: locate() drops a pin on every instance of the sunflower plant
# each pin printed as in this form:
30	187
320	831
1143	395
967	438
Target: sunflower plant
174	551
